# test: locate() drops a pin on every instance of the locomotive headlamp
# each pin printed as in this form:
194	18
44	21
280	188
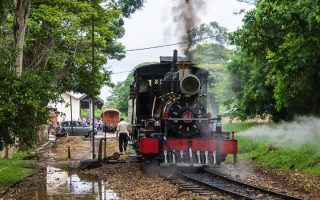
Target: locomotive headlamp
190	85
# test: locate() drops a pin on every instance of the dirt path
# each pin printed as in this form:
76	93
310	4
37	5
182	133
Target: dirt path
110	181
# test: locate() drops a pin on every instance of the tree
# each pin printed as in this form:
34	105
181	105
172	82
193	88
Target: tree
66	48
120	95
56	57
21	9
280	41
210	53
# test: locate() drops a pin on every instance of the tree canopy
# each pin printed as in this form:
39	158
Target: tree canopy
279	64
120	95
56	56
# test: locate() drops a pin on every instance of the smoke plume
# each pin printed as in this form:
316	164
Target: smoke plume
303	130
186	17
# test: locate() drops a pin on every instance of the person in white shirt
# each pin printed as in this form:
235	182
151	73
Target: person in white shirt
123	133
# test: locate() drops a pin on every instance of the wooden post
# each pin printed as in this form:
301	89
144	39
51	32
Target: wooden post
69	153
100	151
234	160
6	152
105	144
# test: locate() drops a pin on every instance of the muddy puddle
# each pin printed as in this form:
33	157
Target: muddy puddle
61	185
54	183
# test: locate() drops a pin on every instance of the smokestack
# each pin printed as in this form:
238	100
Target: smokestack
174	61
175	56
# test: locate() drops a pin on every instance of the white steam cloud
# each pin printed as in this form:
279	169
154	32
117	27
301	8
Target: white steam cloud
303	130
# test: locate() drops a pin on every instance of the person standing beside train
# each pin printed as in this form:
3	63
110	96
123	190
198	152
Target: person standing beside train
123	133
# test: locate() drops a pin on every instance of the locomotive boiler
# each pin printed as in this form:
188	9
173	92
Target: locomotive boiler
169	117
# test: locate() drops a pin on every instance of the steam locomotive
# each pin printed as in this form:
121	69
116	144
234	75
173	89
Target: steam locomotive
168	113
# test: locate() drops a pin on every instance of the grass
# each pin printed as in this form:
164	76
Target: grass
12	170
238	127
304	159
244	144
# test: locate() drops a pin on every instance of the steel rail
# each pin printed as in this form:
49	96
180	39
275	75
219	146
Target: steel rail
230	192
268	191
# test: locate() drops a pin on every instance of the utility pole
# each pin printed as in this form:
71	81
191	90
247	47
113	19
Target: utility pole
93	85
71	115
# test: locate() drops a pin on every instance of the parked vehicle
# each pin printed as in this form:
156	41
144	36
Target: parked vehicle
75	128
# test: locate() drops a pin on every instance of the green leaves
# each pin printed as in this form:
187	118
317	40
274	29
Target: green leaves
120	95
60	39
57	58
23	105
280	40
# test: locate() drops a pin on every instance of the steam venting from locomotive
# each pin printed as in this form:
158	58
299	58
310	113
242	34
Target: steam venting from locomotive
304	130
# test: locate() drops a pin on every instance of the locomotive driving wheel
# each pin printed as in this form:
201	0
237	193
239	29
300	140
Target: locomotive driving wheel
186	118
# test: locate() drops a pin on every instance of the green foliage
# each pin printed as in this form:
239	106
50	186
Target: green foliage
251	95
57	58
23	105
208	33
63	38
209	40
305	158
279	40
120	95
128	6
238	127
85	113
211	54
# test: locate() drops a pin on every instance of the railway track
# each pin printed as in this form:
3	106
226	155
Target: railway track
207	181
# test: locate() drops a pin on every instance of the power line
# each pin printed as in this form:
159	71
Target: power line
120	72
166	45
159	46
154	47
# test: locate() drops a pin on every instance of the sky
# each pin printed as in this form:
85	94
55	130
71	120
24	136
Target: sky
153	26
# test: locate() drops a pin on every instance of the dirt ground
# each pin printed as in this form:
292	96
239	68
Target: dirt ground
129	182
125	179
293	182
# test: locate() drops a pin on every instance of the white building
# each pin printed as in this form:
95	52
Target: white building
70	107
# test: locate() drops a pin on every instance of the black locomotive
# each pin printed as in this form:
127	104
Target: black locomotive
168	112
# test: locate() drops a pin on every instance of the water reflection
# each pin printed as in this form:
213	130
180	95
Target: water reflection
61	185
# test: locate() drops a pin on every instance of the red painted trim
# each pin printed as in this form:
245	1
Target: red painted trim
149	146
227	146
